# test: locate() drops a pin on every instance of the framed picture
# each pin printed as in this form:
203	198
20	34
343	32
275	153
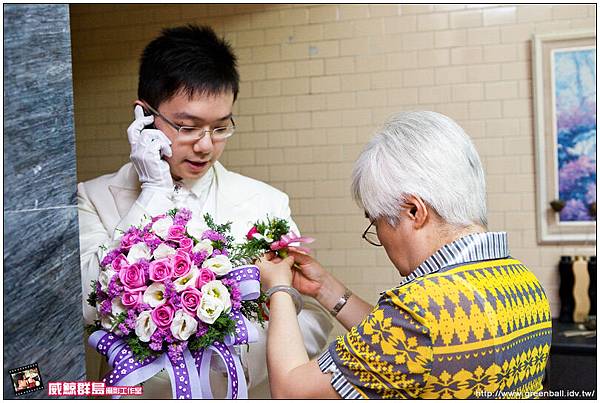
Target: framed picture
564	83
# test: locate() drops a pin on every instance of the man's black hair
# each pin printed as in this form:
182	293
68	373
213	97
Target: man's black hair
191	59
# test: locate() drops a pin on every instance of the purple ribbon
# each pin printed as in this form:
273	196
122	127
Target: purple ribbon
190	372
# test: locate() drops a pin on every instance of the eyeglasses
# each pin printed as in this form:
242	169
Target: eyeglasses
371	236
196	133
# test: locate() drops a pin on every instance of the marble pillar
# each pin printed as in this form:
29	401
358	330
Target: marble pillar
42	286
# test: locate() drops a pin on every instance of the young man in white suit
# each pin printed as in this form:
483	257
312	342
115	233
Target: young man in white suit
183	116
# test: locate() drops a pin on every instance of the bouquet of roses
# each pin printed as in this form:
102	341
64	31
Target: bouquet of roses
170	292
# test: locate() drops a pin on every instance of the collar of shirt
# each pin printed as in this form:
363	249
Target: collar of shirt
469	248
199	187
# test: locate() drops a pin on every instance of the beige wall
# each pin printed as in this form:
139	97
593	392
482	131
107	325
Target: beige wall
316	82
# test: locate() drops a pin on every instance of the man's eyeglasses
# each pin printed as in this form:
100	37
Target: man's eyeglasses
371	236
196	133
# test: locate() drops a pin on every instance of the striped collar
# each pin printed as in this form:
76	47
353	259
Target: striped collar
470	248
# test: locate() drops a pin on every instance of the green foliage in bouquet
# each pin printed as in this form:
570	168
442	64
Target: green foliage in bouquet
139	349
92	297
89	329
223	326
253	309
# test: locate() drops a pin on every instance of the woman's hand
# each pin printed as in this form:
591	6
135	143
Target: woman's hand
309	276
275	271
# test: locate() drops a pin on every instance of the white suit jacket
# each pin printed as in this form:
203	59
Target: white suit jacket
108	202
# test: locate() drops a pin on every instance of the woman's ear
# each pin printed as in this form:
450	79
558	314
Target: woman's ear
417	210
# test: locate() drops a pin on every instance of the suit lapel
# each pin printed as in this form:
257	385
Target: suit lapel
235	199
124	198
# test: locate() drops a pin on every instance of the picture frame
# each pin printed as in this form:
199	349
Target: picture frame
564	66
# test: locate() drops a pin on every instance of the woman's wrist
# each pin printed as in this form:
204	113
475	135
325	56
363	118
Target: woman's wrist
330	292
276	282
292	292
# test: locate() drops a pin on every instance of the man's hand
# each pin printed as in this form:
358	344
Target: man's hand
147	148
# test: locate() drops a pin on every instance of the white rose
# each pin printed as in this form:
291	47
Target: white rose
161	227
104	278
163	251
217	290
261	236
196	227
138	251
145	326
154	295
188	280
183	325
106	322
219	264
204	245
117	307
209	309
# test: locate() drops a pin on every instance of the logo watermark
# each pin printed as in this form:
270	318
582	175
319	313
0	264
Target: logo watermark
26	379
542	394
87	388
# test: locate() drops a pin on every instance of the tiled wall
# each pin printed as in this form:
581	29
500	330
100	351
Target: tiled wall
316	82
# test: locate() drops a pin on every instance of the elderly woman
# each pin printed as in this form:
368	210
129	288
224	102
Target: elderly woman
466	321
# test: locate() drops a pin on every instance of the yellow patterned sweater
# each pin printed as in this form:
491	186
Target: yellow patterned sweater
467	330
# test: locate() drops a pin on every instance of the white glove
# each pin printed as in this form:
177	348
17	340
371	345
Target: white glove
147	148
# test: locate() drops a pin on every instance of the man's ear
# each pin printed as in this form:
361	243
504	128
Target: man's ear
418	211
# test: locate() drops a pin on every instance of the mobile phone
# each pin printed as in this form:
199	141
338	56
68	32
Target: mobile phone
147	113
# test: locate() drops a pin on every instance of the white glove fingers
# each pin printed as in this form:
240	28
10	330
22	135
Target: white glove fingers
147	145
157	140
165	149
138	112
163	137
141	121
165	144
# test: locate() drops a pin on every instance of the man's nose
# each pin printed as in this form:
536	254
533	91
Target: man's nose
205	144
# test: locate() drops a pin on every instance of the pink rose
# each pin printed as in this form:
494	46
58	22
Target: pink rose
205	276
181	263
161	269
119	263
133	276
250	234
176	232
186	244
131	299
190	299
129	239
163	315
136	289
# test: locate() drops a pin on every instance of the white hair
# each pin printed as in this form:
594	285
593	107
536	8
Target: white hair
424	154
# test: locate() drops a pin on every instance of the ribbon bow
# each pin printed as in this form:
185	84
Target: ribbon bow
190	372
289	238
